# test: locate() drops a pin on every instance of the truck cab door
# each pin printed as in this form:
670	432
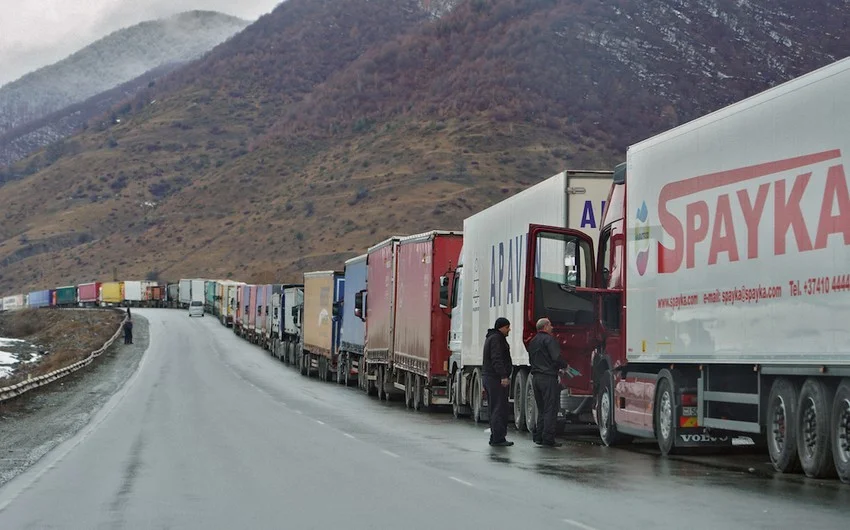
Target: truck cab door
561	286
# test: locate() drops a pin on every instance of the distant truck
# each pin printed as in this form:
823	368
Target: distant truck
66	296
379	312
88	294
198	293
323	292
172	295
289	349
353	331
493	279
37	299
420	353
133	293
14	302
185	292
111	294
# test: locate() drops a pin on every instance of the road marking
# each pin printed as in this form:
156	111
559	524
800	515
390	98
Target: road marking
348	436
465	483
320	422
578	524
390	453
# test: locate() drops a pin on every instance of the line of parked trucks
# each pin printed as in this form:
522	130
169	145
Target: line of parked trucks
700	291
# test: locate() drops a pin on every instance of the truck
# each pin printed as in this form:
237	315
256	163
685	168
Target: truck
291	324
210	287
353	331
264	295
133	293
14	302
420	353
249	319
185	292
228	302
172	295
155	295
38	299
720	298
379	312
323	291
111	294
88	293
272	316
65	296
240	322
492	279
196	288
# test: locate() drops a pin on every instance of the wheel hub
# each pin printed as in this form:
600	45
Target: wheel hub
604	412
810	424
778	427
666	415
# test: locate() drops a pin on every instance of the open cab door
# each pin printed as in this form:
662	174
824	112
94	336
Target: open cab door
560	285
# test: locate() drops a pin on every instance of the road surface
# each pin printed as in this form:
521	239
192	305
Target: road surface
211	432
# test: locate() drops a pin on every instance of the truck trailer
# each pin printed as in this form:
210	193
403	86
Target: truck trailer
197	290
172	295
111	294
323	291
185	292
133	293
420	354
724	268
38	299
14	302
88	293
493	279
379	312
66	296
291	324
353	332
210	288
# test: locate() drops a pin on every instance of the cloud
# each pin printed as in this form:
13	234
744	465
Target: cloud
36	33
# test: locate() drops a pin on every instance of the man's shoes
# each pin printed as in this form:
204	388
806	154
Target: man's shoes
551	444
538	442
503	443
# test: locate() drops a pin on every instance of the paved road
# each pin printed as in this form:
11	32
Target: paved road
211	432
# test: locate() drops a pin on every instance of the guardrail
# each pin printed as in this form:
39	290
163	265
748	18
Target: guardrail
16	390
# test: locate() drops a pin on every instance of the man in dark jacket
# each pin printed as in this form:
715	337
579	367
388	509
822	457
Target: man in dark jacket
497	368
128	332
544	355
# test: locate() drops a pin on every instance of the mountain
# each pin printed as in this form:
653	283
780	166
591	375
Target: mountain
327	125
102	66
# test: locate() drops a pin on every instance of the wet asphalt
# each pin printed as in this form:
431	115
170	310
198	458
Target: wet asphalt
211	432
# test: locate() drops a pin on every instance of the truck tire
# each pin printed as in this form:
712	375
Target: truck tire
418	393
813	429
530	404
476	398
519	400
664	414
408	391
841	431
459	410
302	364
605	413
781	425
379	382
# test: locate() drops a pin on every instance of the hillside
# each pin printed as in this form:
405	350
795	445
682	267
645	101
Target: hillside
327	125
111	61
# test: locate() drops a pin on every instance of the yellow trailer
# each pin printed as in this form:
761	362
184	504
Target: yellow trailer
111	293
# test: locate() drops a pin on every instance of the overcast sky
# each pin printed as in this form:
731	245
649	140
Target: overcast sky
35	33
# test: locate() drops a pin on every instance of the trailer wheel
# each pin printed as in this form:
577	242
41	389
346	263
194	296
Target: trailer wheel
476	395
530	404
458	409
519	400
605	413
379	382
303	363
417	394
781	425
408	391
813	429
841	431
664	414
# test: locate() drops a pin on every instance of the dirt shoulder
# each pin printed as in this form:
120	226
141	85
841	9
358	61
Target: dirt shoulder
36	422
54	338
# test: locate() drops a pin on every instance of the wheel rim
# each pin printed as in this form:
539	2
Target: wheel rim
842	428
517	404
809	414
778	429
666	419
604	412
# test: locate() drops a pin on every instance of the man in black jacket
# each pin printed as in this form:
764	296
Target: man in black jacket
496	371
544	355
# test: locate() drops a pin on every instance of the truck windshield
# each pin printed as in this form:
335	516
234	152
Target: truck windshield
561	264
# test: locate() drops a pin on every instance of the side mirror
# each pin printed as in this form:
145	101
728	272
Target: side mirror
360	305
336	309
444	281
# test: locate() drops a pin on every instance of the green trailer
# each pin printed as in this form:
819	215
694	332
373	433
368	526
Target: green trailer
65	296
209	296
